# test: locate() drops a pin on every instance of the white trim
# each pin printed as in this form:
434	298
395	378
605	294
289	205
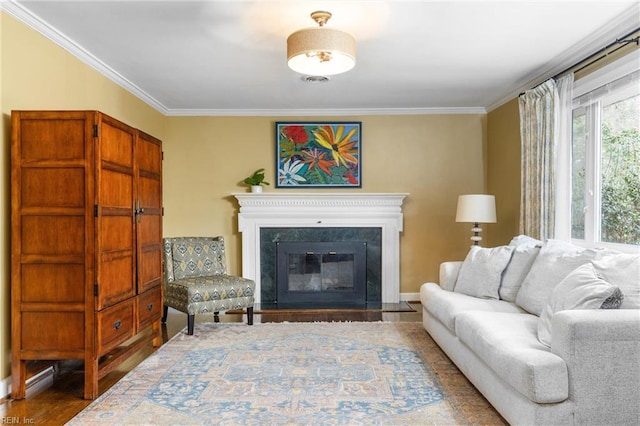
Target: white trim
410	297
325	112
613	71
5	388
289	210
41	380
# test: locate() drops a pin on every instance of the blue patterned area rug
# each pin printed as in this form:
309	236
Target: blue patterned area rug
356	373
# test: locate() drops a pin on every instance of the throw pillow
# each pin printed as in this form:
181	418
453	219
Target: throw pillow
481	271
518	268
581	289
554	262
524	254
622	270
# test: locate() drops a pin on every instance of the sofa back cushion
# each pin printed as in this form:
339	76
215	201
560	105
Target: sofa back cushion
622	270
481	271
554	262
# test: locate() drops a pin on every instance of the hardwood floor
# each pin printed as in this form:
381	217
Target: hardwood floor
58	397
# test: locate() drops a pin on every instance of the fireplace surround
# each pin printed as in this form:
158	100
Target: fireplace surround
323	210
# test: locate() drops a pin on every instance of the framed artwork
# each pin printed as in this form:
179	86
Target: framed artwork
318	154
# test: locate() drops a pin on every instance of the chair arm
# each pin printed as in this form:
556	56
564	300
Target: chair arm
449	274
602	351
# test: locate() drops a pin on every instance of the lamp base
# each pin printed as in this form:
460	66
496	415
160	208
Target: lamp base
476	238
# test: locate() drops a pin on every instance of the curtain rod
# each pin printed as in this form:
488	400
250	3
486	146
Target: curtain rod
589	60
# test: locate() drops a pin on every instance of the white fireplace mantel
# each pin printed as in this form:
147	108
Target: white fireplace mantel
297	210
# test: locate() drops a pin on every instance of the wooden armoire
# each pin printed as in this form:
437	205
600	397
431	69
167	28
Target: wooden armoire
86	242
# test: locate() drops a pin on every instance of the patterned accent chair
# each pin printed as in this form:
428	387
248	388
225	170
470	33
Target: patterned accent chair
196	280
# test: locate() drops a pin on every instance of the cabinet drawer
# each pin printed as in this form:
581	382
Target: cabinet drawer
115	325
149	307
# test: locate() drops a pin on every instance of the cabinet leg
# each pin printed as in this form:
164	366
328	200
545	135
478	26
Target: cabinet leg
18	379
90	378
157	334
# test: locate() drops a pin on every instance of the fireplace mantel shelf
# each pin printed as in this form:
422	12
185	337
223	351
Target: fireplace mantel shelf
383	210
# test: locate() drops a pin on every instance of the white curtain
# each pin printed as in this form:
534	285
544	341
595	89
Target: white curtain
563	158
538	131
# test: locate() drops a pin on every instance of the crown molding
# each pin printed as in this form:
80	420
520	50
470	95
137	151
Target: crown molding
623	24
34	22
325	112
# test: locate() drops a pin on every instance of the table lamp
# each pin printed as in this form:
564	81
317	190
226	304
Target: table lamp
476	209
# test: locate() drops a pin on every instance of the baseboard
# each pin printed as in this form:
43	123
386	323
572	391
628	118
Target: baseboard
41	380
5	388
410	297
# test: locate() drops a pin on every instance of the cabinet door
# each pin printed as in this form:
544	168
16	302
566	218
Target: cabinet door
149	218
115	219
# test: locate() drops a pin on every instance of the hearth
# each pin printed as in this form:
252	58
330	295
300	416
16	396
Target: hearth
318	273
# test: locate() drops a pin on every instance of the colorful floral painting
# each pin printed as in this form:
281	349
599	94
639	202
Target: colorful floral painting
318	154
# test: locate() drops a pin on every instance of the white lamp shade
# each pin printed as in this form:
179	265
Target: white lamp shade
476	208
304	46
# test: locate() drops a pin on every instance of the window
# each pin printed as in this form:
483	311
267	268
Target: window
605	175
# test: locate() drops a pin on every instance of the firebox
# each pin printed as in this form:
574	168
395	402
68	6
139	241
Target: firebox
321	273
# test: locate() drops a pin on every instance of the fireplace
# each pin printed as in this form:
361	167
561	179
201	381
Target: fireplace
321	273
269	217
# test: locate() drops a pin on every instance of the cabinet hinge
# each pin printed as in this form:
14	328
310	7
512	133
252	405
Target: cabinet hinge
95	210
95	130
95	289
162	155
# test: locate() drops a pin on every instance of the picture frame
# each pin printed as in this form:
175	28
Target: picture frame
318	154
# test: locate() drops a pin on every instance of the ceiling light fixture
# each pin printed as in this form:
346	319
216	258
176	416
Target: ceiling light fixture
321	50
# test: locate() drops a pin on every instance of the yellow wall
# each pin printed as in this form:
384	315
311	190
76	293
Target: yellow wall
503	171
37	74
434	158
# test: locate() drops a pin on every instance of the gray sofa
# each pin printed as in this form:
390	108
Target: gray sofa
527	325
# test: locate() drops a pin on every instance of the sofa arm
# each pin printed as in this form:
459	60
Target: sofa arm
602	351
449	274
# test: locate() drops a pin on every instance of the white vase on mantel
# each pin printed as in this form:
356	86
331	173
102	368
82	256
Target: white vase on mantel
256	189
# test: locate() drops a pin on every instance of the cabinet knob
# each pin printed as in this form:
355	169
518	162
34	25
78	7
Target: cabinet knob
150	307
117	325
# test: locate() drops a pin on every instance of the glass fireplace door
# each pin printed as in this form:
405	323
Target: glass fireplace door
321	272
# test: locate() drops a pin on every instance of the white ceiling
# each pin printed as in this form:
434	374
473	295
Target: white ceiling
229	57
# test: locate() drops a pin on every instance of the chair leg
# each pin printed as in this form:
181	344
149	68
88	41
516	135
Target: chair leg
191	319
250	315
165	312
216	317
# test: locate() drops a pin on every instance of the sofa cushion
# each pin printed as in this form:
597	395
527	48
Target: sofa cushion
447	305
581	289
481	271
622	270
508	343
554	262
521	261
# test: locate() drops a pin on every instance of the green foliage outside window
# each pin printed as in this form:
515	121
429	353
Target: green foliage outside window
620	191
